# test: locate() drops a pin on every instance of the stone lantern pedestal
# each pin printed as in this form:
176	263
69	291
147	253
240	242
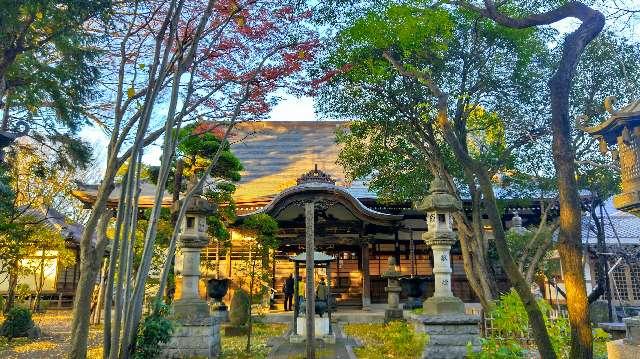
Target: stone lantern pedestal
443	301
450	330
393	289
196	333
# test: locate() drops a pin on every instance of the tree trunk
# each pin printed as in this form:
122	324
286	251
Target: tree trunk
570	238
252	277
113	255
39	285
95	318
177	185
569	242
11	291
120	301
90	262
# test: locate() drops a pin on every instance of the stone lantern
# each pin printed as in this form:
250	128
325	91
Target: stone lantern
439	206
393	289
193	237
197	333
620	134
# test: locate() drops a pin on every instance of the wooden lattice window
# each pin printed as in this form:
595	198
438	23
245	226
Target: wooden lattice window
620	289
634	271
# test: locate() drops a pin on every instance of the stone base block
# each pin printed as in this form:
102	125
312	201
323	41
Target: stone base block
619	349
449	334
190	309
321	326
443	305
328	339
392	314
197	338
633	330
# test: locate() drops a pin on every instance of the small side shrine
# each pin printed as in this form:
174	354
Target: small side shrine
322	324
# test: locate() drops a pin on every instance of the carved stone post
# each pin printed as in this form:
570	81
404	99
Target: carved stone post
193	237
451	332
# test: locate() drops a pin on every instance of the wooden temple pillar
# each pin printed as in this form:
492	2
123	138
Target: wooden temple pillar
309	212
366	280
396	246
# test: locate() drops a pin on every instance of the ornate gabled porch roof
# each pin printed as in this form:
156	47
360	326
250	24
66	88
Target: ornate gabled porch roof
319	187
628	116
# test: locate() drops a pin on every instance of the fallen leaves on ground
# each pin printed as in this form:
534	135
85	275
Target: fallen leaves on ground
55	341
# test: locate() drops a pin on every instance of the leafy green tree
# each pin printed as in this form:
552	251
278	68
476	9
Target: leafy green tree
34	184
47	70
397	144
532	15
197	145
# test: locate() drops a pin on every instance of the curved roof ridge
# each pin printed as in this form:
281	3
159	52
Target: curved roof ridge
328	188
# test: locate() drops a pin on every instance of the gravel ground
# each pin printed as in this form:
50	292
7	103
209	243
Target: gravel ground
55	340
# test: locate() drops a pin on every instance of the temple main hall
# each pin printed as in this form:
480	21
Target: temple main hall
289	162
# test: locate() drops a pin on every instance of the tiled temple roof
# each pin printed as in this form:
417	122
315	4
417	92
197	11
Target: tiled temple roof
275	153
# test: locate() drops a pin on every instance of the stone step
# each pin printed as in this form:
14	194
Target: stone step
451	329
444	352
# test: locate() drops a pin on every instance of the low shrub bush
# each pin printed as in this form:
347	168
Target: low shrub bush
155	329
18	323
511	332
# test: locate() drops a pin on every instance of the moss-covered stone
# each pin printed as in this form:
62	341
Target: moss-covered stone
239	313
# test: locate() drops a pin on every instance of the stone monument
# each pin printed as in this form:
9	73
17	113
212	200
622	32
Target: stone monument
393	289
196	332
450	330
